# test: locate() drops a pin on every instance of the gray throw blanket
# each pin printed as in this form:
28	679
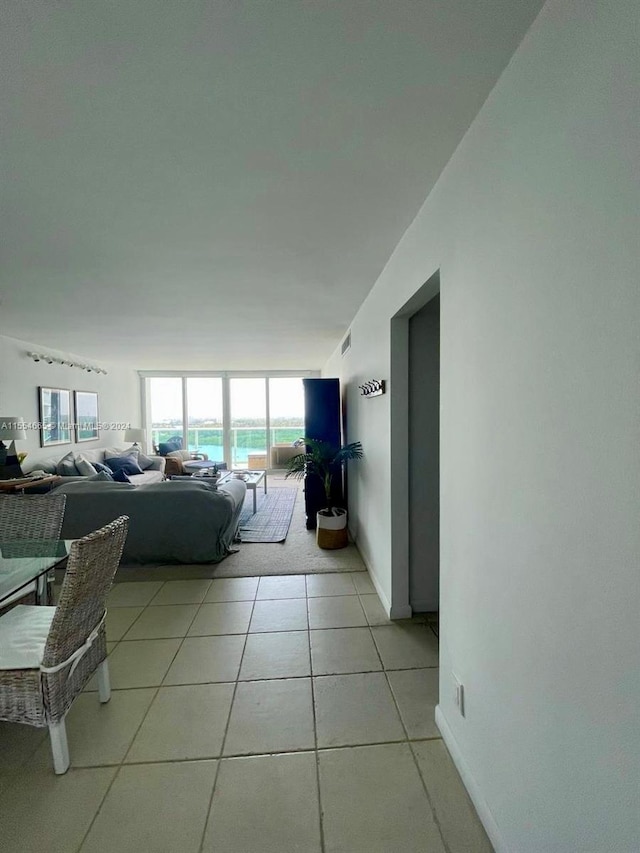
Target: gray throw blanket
183	521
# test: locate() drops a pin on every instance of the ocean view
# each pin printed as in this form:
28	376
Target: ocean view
245	441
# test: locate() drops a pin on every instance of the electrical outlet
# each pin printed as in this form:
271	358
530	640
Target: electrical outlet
458	695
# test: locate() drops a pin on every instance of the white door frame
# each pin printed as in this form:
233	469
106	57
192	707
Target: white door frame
399	438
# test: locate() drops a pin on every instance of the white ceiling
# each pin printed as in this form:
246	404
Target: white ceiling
218	183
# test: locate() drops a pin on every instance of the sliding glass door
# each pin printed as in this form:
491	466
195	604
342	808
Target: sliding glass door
245	421
165	410
248	400
204	416
286	410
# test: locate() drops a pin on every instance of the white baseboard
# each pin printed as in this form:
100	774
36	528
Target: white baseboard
392	613
484	813
383	598
404	612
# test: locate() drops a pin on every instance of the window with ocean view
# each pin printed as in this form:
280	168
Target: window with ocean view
165	399
286	410
263	413
204	416
248	422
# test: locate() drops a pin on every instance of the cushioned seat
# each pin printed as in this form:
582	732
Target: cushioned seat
47	654
80	466
172	444
23	634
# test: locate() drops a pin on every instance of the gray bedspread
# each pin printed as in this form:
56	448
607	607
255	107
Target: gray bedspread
170	522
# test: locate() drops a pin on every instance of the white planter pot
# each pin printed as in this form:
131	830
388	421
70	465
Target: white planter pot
331	530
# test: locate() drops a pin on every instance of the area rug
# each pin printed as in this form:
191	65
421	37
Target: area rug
257	560
254	560
270	523
295	555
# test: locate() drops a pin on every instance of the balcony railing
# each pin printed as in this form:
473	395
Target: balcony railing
245	441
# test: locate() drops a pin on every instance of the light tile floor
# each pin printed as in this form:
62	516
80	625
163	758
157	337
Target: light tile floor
247	714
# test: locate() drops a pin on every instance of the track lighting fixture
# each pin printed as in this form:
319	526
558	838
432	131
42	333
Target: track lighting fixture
66	362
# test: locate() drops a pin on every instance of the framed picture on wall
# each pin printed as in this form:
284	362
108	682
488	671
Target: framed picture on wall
86	409
55	416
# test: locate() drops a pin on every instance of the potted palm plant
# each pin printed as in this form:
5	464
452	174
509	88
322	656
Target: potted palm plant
324	461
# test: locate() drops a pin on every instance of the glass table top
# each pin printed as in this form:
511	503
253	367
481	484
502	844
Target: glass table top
23	561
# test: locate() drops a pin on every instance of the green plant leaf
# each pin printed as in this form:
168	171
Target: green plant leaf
323	460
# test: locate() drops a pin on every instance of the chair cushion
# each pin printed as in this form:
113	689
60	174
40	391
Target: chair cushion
23	635
174	443
177	454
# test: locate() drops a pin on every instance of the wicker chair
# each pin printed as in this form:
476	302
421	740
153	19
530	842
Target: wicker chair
174	461
47	654
30	517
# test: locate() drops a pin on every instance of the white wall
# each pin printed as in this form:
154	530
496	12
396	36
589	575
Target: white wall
534	228
20	376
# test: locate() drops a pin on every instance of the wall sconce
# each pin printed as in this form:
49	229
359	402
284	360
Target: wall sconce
372	388
67	362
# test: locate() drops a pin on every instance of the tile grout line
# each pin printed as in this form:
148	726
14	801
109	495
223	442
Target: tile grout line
235	755
409	744
413	755
270	678
373	639
126	631
270	631
316	754
237	680
121	763
151	604
226	730
436	820
8	776
317	750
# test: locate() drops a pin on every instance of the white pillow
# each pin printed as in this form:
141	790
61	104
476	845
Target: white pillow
143	461
84	466
66	466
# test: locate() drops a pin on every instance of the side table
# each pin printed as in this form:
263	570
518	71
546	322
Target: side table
23	483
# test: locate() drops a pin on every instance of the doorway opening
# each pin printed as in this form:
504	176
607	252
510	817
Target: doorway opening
415	453
424	458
